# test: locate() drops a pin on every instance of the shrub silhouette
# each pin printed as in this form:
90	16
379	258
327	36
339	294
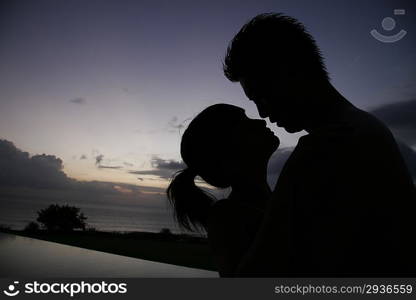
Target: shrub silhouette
165	231
32	227
61	218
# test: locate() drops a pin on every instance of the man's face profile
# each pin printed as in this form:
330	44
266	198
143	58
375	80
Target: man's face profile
275	101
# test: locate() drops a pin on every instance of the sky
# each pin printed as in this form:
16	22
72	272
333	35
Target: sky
107	87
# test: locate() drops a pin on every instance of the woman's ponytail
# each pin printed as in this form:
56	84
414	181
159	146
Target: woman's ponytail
191	204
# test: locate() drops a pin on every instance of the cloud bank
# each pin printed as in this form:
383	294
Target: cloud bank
17	168
162	168
78	100
400	118
44	174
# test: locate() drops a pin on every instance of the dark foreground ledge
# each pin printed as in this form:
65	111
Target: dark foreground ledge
177	249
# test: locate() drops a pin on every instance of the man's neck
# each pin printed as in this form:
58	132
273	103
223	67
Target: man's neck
331	107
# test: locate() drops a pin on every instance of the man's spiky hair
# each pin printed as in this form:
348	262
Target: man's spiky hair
273	42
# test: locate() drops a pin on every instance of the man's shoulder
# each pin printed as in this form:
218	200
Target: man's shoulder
360	140
367	125
358	129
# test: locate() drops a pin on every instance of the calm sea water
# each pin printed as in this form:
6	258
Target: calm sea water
16	213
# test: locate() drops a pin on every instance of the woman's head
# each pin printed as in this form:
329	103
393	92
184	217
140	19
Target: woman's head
219	145
222	138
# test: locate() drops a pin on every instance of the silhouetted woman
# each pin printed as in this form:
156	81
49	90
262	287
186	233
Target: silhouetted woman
226	149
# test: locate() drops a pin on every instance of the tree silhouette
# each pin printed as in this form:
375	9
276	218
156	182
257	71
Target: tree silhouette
32	227
61	218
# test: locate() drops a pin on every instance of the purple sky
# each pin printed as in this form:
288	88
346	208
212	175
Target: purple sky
109	83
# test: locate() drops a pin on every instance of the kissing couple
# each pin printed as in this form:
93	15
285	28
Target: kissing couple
344	202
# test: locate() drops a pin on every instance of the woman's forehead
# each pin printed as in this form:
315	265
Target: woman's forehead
230	111
239	114
222	114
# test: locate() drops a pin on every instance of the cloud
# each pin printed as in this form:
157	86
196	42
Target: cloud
99	163
123	189
400	118
164	169
174	125
167	164
78	100
109	167
18	168
98	159
41	177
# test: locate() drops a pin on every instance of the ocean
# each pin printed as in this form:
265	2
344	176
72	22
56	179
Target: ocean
18	212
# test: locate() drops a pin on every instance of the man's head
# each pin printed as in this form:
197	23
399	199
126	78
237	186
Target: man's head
279	67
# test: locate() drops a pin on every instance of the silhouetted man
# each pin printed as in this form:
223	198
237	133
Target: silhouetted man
344	202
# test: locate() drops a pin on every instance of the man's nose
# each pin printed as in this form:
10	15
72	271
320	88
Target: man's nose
260	122
261	108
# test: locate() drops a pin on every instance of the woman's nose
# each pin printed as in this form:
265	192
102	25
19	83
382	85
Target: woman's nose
262	107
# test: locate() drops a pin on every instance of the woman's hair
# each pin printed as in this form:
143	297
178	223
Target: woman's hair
204	147
190	203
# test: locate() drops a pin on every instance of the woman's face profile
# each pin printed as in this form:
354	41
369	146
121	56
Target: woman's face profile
251	138
223	143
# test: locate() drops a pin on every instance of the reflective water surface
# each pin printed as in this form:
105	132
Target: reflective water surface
27	257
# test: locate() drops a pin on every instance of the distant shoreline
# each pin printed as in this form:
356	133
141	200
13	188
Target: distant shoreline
177	249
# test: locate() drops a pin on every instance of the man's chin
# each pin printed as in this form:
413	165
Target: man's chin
290	129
